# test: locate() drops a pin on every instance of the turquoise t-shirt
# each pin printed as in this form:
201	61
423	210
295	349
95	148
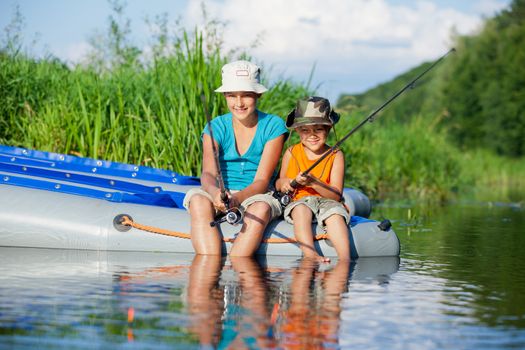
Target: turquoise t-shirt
239	171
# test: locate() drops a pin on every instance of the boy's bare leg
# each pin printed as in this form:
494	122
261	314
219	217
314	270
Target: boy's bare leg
302	226
337	230
256	218
204	238
335	283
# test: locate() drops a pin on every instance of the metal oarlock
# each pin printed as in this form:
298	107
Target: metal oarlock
233	217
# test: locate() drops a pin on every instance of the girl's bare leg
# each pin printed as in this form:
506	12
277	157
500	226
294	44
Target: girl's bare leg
302	219
256	218
204	238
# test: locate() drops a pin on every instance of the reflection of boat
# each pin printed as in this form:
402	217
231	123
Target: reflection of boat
50	200
375	269
51	264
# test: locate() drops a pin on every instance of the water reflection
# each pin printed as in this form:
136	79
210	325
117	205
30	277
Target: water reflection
312	318
252	303
459	285
248	319
206	299
57	298
477	249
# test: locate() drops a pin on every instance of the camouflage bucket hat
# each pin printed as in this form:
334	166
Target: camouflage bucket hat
312	111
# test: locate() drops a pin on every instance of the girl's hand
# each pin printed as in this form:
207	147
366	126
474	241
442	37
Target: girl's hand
234	201
220	204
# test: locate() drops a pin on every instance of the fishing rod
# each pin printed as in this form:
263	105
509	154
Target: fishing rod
233	215
370	118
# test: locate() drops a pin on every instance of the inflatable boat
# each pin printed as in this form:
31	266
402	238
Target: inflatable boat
51	200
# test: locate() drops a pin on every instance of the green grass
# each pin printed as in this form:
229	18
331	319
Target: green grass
496	178
143	114
403	161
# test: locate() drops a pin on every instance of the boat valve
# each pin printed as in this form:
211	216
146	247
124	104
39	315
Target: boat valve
385	225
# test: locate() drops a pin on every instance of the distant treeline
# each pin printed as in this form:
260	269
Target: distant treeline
477	94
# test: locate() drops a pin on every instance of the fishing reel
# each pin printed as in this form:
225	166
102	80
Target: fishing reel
283	198
233	217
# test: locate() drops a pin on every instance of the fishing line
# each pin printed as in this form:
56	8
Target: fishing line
370	118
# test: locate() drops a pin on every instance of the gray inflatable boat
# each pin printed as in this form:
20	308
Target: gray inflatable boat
50	200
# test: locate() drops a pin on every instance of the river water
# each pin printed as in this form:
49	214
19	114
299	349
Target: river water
458	284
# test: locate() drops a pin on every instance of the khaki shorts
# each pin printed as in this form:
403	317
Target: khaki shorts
275	206
322	208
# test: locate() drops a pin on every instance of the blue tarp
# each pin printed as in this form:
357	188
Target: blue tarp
89	177
15	155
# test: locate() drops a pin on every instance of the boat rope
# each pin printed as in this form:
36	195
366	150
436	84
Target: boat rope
125	220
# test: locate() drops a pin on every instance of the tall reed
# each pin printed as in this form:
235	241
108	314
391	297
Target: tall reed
144	114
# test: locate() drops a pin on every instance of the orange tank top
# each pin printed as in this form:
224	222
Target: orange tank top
299	163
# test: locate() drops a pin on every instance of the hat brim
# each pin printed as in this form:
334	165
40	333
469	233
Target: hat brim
239	86
293	124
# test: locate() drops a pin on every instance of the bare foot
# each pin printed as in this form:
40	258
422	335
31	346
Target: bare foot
317	258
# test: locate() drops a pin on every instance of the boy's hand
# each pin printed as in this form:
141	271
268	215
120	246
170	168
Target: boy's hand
303	180
287	186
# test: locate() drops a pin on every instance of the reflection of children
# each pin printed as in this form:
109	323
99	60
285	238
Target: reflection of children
318	193
226	317
206	299
247	325
250	143
312	320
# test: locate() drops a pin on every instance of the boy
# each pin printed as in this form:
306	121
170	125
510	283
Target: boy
318	194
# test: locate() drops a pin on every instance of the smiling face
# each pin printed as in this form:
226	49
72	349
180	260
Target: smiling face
313	137
242	104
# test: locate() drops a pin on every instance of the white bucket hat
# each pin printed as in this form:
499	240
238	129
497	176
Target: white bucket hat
241	76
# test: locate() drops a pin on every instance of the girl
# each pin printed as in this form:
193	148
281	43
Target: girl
249	143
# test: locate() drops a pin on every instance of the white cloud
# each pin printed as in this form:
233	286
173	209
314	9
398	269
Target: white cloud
488	7
302	29
75	53
341	36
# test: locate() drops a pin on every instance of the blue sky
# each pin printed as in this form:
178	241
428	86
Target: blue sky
354	44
